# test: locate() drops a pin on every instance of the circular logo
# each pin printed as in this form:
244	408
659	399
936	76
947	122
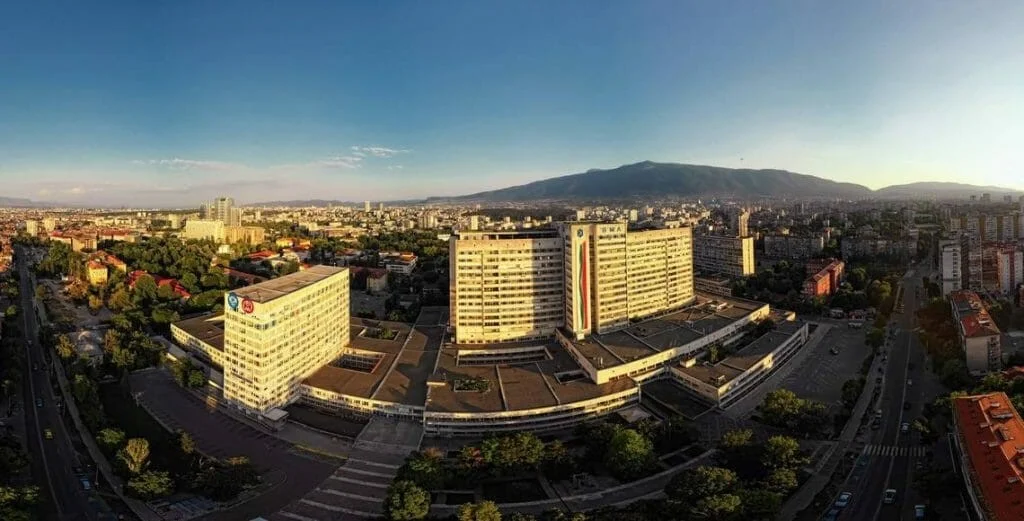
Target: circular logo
247	306
233	301
579	232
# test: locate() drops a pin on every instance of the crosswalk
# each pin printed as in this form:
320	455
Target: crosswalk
893	451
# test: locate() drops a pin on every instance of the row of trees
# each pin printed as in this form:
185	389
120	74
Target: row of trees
784	409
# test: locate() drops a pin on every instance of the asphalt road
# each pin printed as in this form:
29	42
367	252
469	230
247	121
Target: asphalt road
53	460
893	471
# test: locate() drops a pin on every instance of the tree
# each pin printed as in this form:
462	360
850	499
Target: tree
145	289
424	469
781	480
110	440
95	303
718	508
851	391
119	300
780	405
760	505
781	452
11	311
196	379
111	341
737	438
186	443
875	337
123	358
630	455
135	454
480	511
65	348
406	501
558	462
694	483
151	485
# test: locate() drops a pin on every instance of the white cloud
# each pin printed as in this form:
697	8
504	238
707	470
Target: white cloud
339	162
187	164
379	151
395	167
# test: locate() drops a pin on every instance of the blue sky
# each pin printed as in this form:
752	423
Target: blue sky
169	103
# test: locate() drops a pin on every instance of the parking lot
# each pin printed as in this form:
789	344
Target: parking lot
219	435
821	375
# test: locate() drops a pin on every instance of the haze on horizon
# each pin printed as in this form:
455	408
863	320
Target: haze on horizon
115	103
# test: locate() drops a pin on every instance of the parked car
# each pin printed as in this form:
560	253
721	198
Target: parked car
85	483
834	351
832	515
48	434
843	499
889	496
918	512
904	427
39	402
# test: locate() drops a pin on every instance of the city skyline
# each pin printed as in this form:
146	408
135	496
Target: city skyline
171	106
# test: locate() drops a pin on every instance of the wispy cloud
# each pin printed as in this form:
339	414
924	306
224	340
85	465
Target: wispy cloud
187	164
379	151
395	167
350	161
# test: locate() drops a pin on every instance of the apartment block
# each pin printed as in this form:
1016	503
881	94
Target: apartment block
825	277
251	235
276	333
204	229
988	432
979	337
732	256
506	286
951	265
796	247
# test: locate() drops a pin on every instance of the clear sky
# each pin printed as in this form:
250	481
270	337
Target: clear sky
171	103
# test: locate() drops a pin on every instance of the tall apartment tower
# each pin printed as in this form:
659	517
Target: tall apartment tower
220	210
741	223
505	286
234	217
950	262
276	333
366	206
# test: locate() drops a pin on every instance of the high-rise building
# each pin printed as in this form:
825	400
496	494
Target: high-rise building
980	338
277	333
234	217
1010	268
732	256
586	277
220	210
951	265
173	221
380	206
505	286
250	235
31	227
366	206
741	223
49	224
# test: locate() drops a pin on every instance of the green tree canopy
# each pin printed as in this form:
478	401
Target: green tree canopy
479	511
629	455
406	501
694	483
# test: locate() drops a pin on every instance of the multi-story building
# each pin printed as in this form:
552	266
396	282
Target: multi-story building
951	264
613	275
741	223
250	235
978	334
989	431
276	333
96	272
220	210
31	227
1010	268
988	228
203	229
825	276
797	247
732	256
852	247
506	286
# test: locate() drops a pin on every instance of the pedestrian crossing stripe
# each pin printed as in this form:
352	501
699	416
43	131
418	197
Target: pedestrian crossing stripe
893	451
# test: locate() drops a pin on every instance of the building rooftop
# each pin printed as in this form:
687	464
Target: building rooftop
708	314
992	437
972	315
735	365
279	287
208	328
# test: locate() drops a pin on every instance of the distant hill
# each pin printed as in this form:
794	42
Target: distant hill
649	179
943	190
17	202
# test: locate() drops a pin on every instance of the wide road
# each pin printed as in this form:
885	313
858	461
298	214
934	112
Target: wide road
889	464
54	459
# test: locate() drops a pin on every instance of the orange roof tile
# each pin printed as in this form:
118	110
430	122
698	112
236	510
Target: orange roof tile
992	436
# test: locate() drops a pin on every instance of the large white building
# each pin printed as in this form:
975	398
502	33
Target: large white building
278	332
201	229
586	277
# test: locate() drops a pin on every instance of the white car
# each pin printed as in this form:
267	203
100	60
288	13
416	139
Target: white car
904	427
889	497
843	499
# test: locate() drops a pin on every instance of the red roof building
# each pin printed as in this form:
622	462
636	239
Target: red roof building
176	286
990	442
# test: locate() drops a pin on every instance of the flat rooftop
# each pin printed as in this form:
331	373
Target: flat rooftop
749	356
281	286
208	328
643	339
514	386
401	372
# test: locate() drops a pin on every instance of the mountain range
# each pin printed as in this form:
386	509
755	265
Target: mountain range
657	180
